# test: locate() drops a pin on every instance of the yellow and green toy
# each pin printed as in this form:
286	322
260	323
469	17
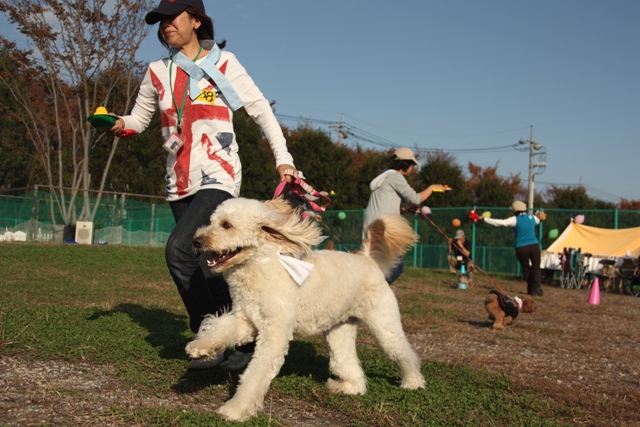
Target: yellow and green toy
101	119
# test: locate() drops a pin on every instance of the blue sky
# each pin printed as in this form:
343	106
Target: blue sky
455	75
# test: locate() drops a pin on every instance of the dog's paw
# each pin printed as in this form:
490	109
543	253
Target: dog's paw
345	387
413	383
195	351
232	412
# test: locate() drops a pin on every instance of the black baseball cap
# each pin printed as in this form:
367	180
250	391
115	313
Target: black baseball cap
171	7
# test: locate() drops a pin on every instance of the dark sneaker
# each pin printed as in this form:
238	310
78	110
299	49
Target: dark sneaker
537	288
236	361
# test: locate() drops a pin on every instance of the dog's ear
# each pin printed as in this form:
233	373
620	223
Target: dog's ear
279	205
289	230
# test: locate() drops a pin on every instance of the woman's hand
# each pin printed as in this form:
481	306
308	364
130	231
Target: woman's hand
118	127
286	168
412	209
424	194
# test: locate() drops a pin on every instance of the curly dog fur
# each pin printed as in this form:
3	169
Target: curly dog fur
497	314
343	291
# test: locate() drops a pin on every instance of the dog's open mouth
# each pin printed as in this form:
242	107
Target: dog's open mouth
217	259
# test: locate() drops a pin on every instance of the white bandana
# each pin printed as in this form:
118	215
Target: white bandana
298	269
519	301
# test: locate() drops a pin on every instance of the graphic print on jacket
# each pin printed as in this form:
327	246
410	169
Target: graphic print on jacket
194	111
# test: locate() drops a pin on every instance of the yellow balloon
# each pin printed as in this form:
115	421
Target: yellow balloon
486	214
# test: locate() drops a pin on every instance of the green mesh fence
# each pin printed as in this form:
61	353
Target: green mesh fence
36	216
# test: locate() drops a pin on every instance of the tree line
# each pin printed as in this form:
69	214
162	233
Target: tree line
138	166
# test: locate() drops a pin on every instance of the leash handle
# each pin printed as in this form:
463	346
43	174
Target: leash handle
301	188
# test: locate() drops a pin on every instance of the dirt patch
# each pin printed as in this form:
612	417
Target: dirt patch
577	355
581	356
58	393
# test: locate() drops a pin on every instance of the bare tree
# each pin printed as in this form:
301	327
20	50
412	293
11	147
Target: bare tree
80	55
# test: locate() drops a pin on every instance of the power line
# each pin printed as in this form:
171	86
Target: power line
498	149
439	136
591	188
345	130
341	129
299	119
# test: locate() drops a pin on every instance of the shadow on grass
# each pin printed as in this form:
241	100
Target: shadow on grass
301	361
478	324
166	329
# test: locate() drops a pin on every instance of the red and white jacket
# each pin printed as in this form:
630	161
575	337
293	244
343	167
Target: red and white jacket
209	156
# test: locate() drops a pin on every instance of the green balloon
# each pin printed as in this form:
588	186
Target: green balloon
553	233
342	215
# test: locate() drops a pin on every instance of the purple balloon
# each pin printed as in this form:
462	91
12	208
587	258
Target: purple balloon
579	219
425	210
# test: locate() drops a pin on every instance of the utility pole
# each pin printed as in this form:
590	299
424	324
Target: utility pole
342	130
542	164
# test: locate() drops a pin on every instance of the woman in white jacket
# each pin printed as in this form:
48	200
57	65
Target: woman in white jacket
197	89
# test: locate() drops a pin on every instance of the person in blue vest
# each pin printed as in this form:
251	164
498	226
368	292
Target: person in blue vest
527	244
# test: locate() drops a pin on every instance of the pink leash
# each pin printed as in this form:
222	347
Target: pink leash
301	188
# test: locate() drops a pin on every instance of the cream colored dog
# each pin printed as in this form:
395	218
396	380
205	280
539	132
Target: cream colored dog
246	238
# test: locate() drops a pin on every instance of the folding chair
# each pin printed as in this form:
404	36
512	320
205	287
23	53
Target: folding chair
629	273
608	274
583	266
573	270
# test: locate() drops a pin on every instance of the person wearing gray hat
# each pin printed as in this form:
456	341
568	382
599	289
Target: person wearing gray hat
459	253
390	188
526	243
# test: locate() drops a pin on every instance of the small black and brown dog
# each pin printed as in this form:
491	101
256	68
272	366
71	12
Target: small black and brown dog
503	309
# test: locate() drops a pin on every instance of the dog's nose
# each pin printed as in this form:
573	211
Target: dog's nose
198	242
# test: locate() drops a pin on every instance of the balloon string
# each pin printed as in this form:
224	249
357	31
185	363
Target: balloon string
466	256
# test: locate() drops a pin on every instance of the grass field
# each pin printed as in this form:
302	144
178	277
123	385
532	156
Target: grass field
115	309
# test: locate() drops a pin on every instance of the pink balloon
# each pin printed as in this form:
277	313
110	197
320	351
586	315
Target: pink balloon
425	210
579	219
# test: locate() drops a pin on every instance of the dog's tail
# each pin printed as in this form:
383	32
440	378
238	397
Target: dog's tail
388	238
